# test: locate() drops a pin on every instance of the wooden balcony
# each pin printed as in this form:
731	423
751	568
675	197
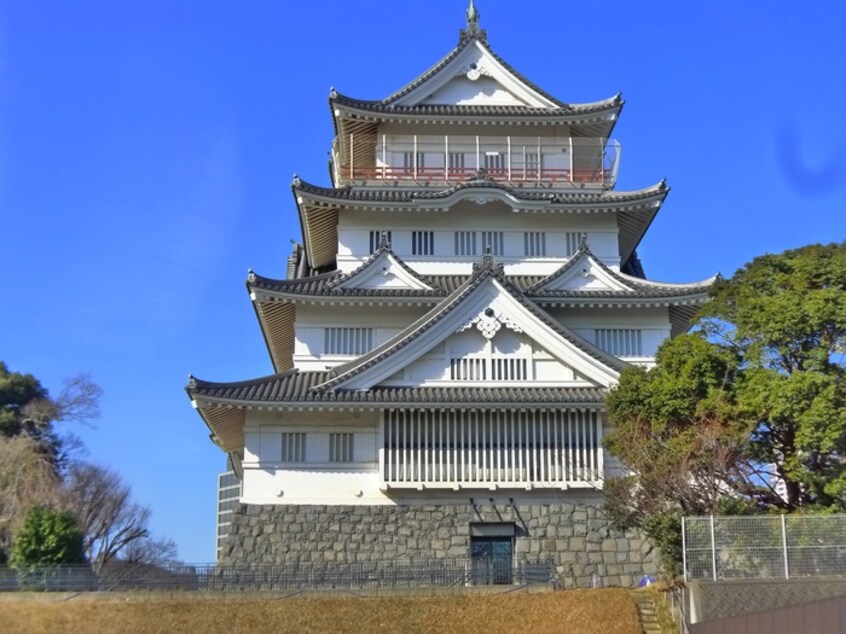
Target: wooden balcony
447	160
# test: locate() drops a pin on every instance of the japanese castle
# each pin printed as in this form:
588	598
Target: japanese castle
465	292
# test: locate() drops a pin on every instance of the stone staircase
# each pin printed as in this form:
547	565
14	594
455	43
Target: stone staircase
648	612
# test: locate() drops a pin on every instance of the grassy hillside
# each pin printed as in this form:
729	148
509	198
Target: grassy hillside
609	611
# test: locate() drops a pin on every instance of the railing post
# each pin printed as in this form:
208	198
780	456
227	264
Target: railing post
352	155
508	141
684	549
601	161
713	551
572	162
384	157
414	157
784	545
540	162
446	157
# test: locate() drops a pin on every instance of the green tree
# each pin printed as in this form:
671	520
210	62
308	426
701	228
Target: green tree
755	396
47	537
785	315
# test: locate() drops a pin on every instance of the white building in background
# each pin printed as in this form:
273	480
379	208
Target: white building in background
466	291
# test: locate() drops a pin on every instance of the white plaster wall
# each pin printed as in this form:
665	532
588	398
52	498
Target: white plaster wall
654	324
355	226
315	481
312	321
266	481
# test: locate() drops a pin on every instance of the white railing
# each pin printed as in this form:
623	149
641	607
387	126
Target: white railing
454	158
491	449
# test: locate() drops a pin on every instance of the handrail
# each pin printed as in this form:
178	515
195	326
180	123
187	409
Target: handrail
459	175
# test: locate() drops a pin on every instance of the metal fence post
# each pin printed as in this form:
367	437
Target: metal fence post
784	545
713	551
684	551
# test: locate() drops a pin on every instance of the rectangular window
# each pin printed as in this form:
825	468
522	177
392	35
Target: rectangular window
574	239
408	162
532	164
348	340
465	243
467	369
341	447
456	162
494	162
492	242
534	244
293	447
376	239
508	369
422	243
621	342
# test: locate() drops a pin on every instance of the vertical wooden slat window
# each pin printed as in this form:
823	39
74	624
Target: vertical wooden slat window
534	244
341	447
422	243
347	340
465	243
293	447
623	342
492	242
456	163
408	162
376	239
573	239
494	162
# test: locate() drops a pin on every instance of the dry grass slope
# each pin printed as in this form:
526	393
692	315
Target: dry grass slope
609	611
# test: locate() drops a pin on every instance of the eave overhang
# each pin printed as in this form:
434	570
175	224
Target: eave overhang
318	207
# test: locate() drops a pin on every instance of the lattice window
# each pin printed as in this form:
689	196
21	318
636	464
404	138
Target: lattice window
534	243
376	239
493	241
456	161
408	161
496	369
532	164
509	369
468	369
574	239
422	243
348	340
622	342
341	447
465	243
293	447
494	162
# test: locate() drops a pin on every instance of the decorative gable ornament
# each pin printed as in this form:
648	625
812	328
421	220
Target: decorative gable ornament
489	323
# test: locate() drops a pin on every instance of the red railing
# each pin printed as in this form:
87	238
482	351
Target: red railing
459	175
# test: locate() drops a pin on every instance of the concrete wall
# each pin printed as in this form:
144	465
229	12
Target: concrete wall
575	536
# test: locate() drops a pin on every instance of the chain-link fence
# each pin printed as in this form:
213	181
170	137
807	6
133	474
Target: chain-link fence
772	546
289	577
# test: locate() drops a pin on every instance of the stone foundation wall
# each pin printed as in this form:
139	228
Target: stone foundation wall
577	538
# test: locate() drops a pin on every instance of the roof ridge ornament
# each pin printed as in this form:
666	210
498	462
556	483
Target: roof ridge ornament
472	30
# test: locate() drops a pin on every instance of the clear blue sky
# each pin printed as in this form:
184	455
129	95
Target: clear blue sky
147	149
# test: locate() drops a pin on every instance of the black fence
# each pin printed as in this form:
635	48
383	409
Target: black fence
436	573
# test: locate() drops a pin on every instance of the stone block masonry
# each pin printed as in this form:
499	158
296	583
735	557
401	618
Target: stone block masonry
578	538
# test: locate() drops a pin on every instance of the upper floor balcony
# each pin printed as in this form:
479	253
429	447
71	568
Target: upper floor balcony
445	160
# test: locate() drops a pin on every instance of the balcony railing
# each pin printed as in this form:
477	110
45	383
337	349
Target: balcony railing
419	159
492	449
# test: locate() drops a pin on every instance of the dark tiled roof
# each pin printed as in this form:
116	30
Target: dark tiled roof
408	195
381	107
640	289
488	269
294	386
